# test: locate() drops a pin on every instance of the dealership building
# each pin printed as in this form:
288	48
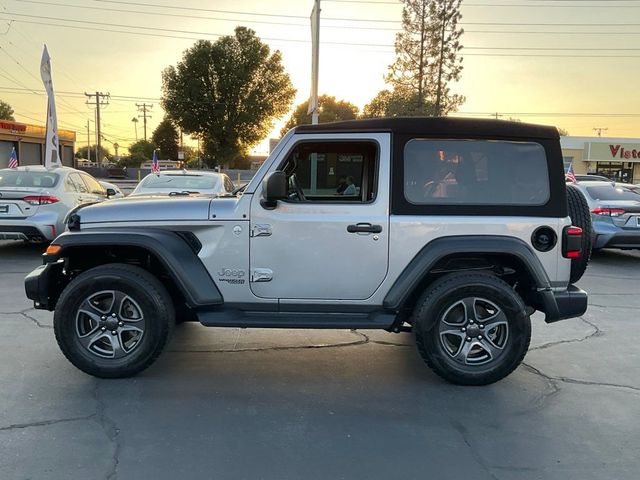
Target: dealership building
28	140
616	158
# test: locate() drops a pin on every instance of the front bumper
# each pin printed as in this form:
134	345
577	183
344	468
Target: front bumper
43	284
560	305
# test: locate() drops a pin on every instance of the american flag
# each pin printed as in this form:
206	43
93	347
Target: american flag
155	165
570	175
13	159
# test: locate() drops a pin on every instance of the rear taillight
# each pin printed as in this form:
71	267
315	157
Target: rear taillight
41	199
608	212
572	242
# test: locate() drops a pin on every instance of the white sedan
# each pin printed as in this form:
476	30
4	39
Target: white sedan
35	200
184	182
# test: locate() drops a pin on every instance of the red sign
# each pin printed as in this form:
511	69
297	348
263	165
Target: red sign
622	153
14	127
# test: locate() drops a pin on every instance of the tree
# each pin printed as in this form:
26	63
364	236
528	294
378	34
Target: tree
6	112
331	110
227	93
166	137
563	132
398	102
140	152
428	54
102	153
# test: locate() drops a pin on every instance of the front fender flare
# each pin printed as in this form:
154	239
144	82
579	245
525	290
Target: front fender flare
176	255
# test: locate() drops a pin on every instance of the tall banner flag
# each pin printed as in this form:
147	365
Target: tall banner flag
51	155
315	57
13	159
155	165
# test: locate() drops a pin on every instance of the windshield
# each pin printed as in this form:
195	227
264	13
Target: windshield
181	182
612	193
25	179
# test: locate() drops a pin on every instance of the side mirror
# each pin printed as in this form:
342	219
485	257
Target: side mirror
274	188
111	192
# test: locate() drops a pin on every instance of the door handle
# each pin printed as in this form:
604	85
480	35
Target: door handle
364	228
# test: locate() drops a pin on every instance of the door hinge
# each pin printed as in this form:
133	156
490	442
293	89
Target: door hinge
261	230
261	275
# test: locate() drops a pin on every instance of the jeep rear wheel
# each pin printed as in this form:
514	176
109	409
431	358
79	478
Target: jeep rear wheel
580	217
471	328
114	320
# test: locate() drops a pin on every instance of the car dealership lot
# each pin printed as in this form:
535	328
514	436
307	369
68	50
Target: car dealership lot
279	404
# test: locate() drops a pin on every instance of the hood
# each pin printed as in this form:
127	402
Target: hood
147	209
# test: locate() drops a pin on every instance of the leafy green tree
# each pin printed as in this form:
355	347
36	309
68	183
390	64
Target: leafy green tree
399	102
166	137
102	153
428	54
140	152
227	93
6	112
331	110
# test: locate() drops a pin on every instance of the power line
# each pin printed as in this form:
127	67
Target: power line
154	29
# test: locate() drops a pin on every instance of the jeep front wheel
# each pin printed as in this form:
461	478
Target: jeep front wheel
471	328
114	320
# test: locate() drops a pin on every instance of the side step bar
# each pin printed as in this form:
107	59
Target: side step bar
256	319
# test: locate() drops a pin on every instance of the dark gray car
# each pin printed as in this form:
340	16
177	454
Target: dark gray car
615	214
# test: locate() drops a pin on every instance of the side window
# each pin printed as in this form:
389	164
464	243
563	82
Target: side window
332	171
79	185
228	184
69	185
475	172
93	185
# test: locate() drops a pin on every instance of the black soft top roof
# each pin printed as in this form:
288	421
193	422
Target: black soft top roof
433	126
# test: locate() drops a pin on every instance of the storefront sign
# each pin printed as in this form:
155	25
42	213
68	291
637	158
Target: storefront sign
612	152
13	127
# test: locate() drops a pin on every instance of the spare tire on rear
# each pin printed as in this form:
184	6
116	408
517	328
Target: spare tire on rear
580	217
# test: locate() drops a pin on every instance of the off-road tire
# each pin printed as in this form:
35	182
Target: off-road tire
149	294
446	292
580	217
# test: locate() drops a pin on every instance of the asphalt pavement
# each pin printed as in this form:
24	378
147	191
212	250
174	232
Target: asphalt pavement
304	404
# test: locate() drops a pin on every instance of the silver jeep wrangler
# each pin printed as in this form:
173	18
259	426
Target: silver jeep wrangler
454	229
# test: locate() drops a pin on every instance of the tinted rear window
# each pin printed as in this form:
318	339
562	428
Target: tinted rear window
607	192
180	182
475	172
21	178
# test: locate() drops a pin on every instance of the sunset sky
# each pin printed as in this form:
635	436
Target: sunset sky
574	64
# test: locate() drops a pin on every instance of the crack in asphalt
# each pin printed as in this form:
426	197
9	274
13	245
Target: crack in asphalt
28	317
597	332
45	423
464	434
554	380
364	339
110	429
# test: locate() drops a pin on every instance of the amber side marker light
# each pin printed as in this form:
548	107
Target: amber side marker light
52	249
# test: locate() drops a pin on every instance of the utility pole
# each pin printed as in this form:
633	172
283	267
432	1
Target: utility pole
88	143
599	130
144	108
101	100
135	123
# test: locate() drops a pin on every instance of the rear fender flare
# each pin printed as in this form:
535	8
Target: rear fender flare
420	266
